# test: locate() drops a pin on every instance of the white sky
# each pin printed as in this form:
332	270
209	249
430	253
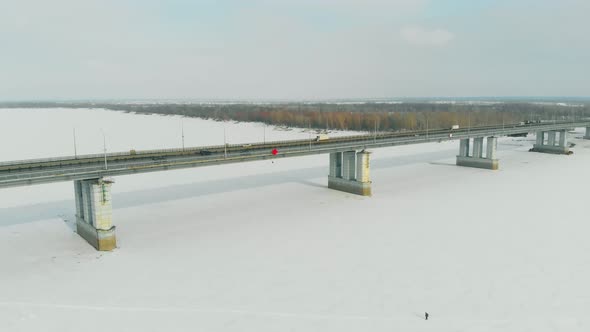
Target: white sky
292	49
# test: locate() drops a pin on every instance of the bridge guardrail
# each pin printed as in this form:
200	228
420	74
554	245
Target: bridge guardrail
379	135
359	139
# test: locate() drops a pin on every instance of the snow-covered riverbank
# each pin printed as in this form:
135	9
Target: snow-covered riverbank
265	246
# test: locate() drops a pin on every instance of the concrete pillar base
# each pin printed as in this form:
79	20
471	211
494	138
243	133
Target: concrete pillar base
103	240
94	215
350	186
551	149
484	163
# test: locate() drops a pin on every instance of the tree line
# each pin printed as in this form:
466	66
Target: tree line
352	116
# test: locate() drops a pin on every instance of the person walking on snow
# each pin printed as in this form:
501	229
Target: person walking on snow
426	315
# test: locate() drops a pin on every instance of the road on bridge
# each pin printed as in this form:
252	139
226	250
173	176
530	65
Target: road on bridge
28	172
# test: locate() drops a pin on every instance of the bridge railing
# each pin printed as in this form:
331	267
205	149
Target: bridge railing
360	137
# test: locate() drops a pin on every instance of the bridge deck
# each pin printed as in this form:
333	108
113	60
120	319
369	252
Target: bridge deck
28	172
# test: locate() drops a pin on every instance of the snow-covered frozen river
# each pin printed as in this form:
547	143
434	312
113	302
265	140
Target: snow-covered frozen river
45	133
265	246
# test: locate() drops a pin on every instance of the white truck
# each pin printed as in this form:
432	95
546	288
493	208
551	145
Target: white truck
321	137
453	127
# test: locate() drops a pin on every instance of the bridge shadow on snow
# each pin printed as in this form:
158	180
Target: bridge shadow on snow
65	209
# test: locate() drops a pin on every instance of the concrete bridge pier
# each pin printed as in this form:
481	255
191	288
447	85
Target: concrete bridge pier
349	172
94	218
477	158
553	144
587	136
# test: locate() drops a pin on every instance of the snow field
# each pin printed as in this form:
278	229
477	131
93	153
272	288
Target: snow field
265	246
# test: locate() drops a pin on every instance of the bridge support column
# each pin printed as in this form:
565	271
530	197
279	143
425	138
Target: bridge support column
464	148
492	148
563	138
551	138
552	145
94	220
478	147
540	138
350	172
336	165
587	136
477	159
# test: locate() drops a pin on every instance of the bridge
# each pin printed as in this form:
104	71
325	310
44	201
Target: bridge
349	163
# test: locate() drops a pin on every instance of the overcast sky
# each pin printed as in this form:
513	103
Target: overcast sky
292	49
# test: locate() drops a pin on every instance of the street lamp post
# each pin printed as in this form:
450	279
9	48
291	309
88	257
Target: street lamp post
426	126
309	130
75	148
182	133
468	123
104	144
224	144
375	132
